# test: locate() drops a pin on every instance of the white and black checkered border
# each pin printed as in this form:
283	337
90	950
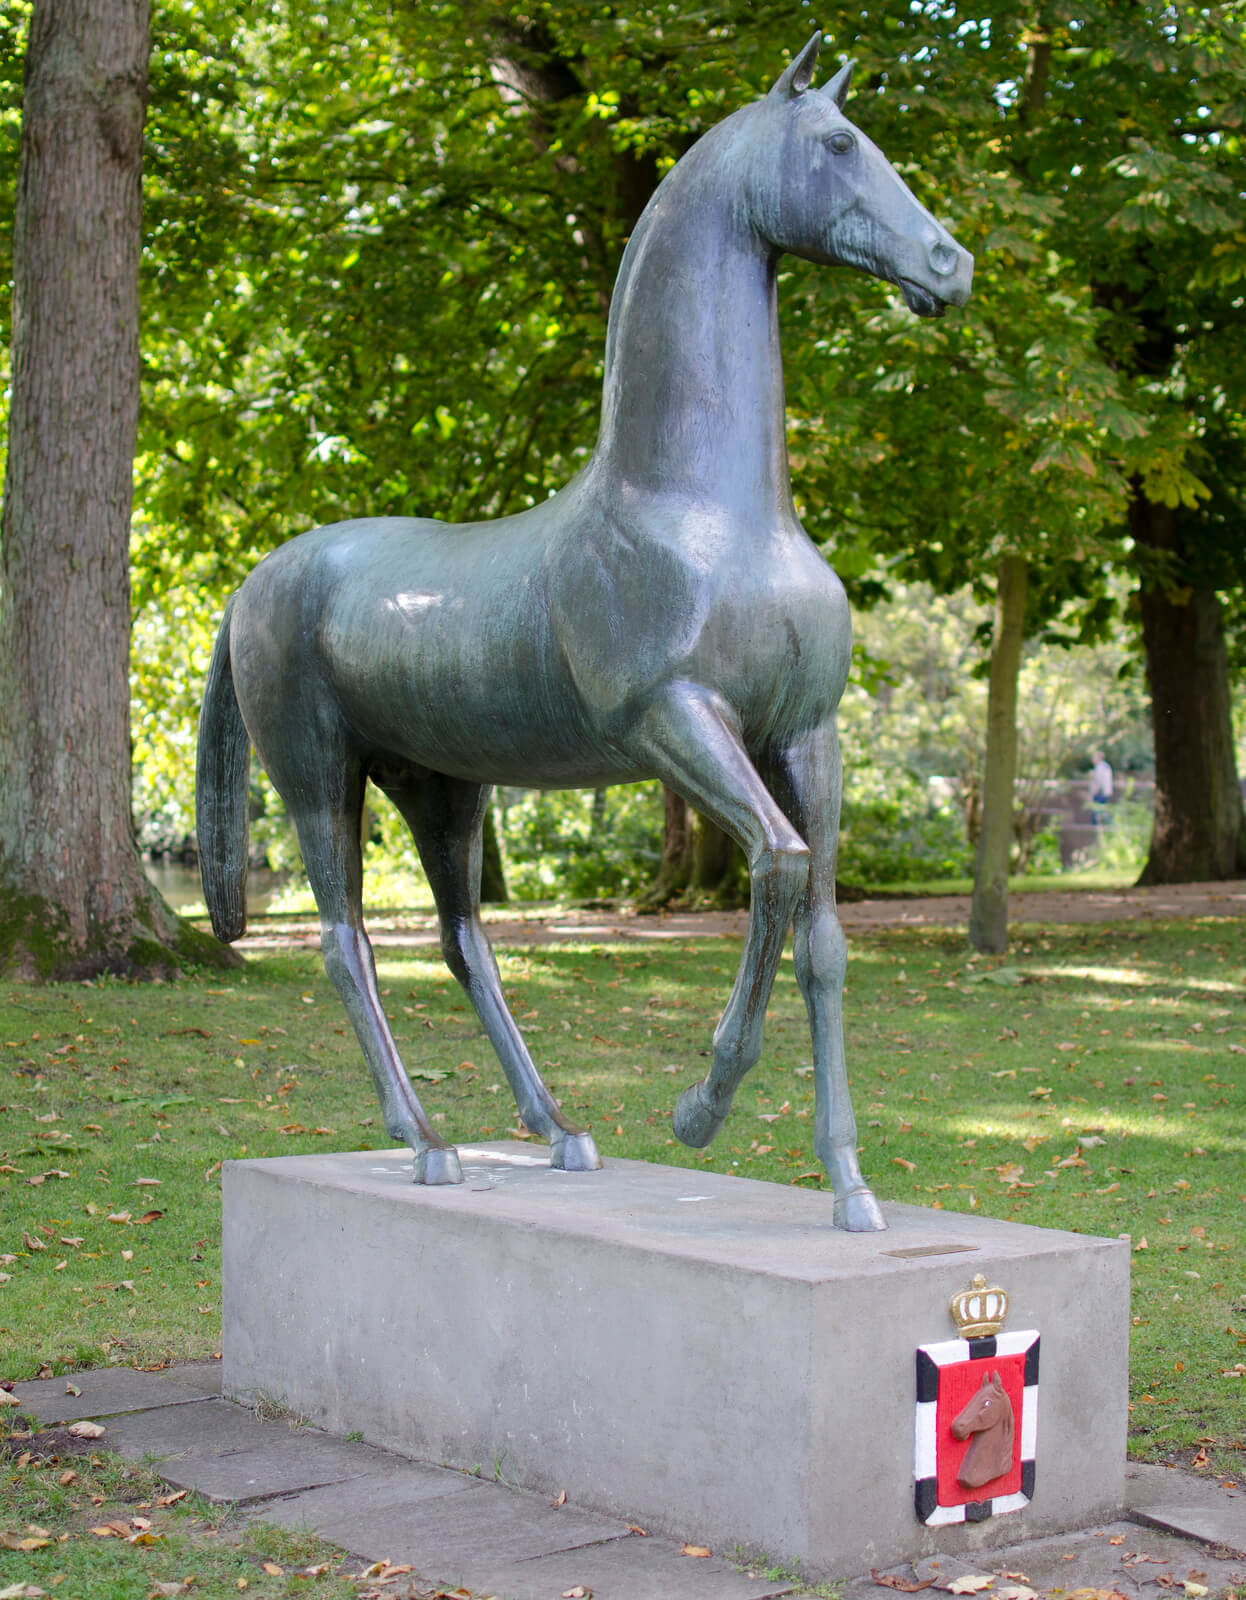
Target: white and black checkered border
930	1357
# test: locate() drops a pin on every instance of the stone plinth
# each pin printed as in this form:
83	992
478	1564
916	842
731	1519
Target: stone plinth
698	1354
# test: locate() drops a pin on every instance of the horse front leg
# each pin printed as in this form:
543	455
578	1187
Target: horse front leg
691	740
809	780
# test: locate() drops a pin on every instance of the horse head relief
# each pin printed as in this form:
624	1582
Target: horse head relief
989	1423
663	616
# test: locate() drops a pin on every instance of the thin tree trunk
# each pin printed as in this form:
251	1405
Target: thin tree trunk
75	898
675	868
1199	831
988	919
493	888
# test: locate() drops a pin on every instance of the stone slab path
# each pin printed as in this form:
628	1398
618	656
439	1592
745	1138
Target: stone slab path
459	1530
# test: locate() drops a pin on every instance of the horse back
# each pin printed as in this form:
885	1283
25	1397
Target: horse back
424	641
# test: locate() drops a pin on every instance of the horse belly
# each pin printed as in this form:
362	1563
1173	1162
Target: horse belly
473	688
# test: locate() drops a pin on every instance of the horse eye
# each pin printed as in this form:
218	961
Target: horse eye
840	143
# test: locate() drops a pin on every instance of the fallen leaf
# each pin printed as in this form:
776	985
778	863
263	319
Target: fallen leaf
172	1499
273	1570
32	1243
318	1571
633	1527
970	1583
148	1216
1194	1589
698	1550
578	1593
68	1476
72	1388
86	1430
1016	1591
899	1161
561	1498
7	1399
118	1217
892	1580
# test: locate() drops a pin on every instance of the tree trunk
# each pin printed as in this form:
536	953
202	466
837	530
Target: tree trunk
988	918
75	898
493	888
719	870
700	863
1199	831
675	868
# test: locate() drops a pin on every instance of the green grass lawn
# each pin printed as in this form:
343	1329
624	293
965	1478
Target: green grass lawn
1092	1080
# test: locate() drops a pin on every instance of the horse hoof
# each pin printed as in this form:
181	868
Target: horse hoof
574	1152
438	1164
694	1122
859	1212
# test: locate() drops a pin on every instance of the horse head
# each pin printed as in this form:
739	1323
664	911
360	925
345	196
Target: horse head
818	188
988	1408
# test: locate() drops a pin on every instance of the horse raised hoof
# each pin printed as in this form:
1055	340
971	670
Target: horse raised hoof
695	1123
859	1212
438	1164
574	1152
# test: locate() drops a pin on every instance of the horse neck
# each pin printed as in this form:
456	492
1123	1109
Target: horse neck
693	396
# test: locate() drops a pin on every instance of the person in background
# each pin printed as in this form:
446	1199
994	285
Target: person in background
1100	787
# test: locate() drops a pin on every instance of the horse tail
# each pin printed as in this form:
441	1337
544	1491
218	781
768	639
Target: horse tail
222	782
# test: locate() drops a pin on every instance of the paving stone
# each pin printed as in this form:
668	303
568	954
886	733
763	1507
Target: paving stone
1089	1559
108	1391
468	1535
631	1569
222	1451
1167	1498
362	1513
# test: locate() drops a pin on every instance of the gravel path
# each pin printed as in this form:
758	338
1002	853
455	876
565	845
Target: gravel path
413	930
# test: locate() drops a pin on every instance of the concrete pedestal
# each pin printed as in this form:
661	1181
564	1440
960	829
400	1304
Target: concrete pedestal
698	1354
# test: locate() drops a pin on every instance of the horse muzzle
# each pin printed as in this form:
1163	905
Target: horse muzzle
945	278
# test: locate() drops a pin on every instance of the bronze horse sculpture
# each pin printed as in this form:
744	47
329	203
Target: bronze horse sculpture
663	616
988	1422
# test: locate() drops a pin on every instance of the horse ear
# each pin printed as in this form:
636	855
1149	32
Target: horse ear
799	75
837	89
986	1381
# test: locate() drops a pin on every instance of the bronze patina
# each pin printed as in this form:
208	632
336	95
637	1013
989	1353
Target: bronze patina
663	616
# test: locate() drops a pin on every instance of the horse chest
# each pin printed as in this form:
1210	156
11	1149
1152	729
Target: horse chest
779	651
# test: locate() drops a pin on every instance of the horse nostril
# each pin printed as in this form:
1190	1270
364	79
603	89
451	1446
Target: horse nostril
943	259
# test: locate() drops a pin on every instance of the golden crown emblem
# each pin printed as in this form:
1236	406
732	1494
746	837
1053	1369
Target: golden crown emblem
979	1311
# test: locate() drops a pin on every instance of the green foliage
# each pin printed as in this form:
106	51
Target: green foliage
572	846
901	834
